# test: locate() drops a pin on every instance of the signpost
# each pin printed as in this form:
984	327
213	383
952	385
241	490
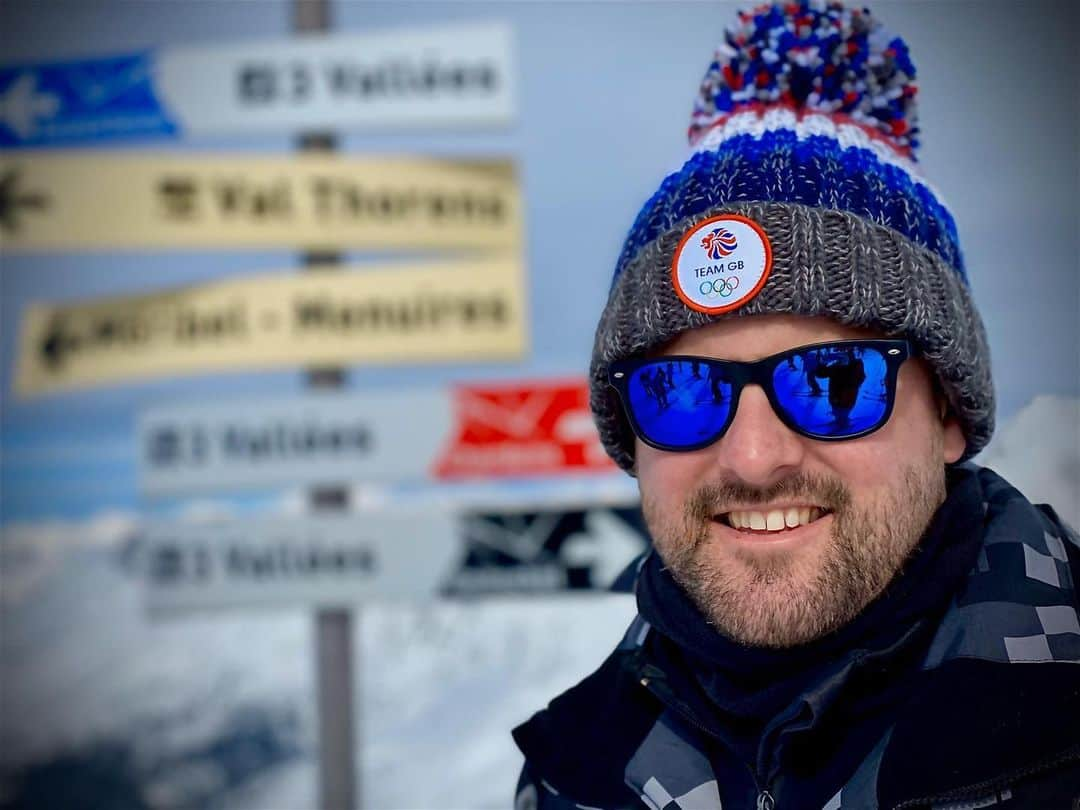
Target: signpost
447	76
337	561
538	427
84	200
318	561
465	309
319	439
548	550
336	687
422	434
335	558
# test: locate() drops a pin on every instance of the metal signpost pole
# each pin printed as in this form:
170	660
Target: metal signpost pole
338	784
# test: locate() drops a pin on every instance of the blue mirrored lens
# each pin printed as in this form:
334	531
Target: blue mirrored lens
679	403
833	391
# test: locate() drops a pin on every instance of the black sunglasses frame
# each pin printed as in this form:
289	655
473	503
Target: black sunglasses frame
759	372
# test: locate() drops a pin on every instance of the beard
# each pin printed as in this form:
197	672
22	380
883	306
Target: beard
776	600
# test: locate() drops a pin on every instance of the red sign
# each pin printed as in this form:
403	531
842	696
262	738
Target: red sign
539	428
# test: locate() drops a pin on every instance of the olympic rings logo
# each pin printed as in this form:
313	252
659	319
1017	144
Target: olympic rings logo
719	288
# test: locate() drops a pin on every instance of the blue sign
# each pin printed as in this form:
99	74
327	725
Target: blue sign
73	102
452	76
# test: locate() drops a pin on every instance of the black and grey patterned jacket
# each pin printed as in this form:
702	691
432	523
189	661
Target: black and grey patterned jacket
994	720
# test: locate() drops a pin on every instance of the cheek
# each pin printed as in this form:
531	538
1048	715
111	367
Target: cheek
661	470
918	430
913	437
666	479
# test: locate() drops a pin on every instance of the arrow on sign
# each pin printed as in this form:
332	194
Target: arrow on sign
56	343
22	105
12	199
607	546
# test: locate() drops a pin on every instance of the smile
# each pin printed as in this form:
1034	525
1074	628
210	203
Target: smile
772	520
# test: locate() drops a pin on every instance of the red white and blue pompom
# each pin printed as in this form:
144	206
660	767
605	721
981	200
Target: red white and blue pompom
813	55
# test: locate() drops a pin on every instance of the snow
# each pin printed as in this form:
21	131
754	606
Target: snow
440	685
1038	452
444	684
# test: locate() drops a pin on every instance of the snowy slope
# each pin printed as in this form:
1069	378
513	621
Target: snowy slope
84	674
446	684
1038	452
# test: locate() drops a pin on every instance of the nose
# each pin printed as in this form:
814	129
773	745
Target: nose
758	449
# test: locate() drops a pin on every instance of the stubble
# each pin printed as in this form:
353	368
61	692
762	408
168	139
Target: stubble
781	600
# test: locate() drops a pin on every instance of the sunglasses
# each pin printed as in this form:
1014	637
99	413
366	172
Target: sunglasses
828	391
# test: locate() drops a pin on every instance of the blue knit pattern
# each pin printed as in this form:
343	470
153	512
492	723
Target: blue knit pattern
816	171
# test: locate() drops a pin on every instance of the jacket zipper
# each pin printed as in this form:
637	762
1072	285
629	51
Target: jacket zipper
993	785
765	800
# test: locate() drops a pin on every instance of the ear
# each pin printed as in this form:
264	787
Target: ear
954	445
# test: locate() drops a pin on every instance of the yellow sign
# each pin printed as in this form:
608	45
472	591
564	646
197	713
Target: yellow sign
99	201
456	310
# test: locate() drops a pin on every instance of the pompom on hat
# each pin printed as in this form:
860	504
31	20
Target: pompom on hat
802	194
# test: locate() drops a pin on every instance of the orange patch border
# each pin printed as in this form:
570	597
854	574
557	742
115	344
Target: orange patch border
750	295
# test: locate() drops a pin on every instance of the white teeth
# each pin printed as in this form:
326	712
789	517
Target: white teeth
775	520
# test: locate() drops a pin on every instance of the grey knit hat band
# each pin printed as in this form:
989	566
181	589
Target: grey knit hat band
825	262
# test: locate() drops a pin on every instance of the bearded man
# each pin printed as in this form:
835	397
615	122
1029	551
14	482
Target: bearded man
836	612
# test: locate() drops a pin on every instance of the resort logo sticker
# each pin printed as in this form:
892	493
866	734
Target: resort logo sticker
721	263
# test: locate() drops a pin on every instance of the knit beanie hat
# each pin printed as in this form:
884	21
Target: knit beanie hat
801	194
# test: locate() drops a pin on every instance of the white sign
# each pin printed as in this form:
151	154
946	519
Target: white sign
310	561
326	438
458	75
453	75
418	553
538	428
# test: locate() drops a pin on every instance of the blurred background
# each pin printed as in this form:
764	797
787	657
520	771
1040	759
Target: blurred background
297	301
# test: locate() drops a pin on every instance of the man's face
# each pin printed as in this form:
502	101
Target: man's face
870	499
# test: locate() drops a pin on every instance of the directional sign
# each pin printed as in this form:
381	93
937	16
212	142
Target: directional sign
417	554
447	311
537	428
309	561
449	76
16	201
544	551
94	201
515	429
321	438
